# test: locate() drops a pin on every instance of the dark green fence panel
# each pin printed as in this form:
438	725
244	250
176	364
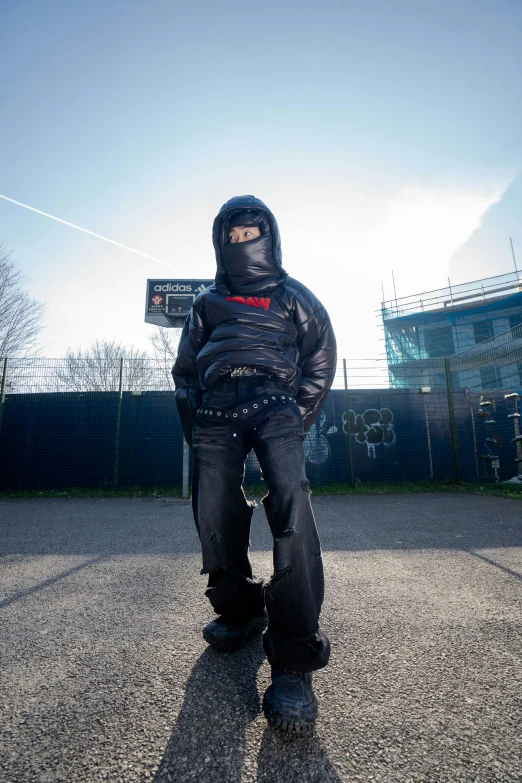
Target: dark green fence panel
61	440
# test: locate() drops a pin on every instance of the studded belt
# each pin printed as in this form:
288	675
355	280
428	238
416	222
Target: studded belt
246	411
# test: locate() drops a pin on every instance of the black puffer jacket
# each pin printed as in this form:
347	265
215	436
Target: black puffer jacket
274	323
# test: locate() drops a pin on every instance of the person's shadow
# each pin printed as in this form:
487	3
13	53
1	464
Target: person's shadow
221	699
208	740
301	757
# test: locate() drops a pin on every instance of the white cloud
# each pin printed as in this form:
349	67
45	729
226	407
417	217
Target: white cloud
348	243
341	240
419	230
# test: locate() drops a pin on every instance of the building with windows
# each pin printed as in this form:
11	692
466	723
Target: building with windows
421	328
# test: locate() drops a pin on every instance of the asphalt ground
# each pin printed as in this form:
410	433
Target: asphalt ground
105	675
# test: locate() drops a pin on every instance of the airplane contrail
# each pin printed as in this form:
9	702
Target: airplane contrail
86	231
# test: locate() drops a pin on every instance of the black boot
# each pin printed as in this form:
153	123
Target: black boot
290	703
229	636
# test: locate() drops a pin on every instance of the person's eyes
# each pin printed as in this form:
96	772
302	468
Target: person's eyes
231	238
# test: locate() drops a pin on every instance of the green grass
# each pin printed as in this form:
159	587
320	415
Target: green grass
257	490
94	492
376	488
407	487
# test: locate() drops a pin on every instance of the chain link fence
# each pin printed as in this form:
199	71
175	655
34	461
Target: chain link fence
70	424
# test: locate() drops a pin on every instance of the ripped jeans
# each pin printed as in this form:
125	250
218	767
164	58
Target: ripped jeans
237	415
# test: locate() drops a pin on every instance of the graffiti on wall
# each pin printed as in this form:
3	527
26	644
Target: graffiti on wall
316	446
373	427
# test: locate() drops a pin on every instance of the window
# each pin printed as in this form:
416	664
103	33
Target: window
490	378
439	342
482	330
518	378
515	320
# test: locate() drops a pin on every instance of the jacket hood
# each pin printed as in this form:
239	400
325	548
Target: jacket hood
219	238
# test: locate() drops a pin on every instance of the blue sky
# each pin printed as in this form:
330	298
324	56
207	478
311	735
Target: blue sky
382	135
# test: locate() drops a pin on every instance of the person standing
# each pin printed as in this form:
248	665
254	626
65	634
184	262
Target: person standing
256	359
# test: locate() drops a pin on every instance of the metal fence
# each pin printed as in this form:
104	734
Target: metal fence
66	425
122	434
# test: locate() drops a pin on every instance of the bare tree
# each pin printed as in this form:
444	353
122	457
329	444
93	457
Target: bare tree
20	315
98	368
165	344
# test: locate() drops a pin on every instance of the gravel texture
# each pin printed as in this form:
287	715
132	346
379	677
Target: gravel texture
105	675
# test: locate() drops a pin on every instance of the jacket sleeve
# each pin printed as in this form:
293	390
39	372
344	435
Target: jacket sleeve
317	355
188	389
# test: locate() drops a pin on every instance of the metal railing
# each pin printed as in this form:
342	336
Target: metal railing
475	293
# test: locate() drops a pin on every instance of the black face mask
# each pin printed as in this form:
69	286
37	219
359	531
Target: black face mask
249	265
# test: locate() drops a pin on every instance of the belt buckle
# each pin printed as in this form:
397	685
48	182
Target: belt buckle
238	371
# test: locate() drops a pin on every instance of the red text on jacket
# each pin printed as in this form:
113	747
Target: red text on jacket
253	301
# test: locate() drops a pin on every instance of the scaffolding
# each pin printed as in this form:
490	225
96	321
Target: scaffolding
448	321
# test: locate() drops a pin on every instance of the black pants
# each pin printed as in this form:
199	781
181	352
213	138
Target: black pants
238	415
